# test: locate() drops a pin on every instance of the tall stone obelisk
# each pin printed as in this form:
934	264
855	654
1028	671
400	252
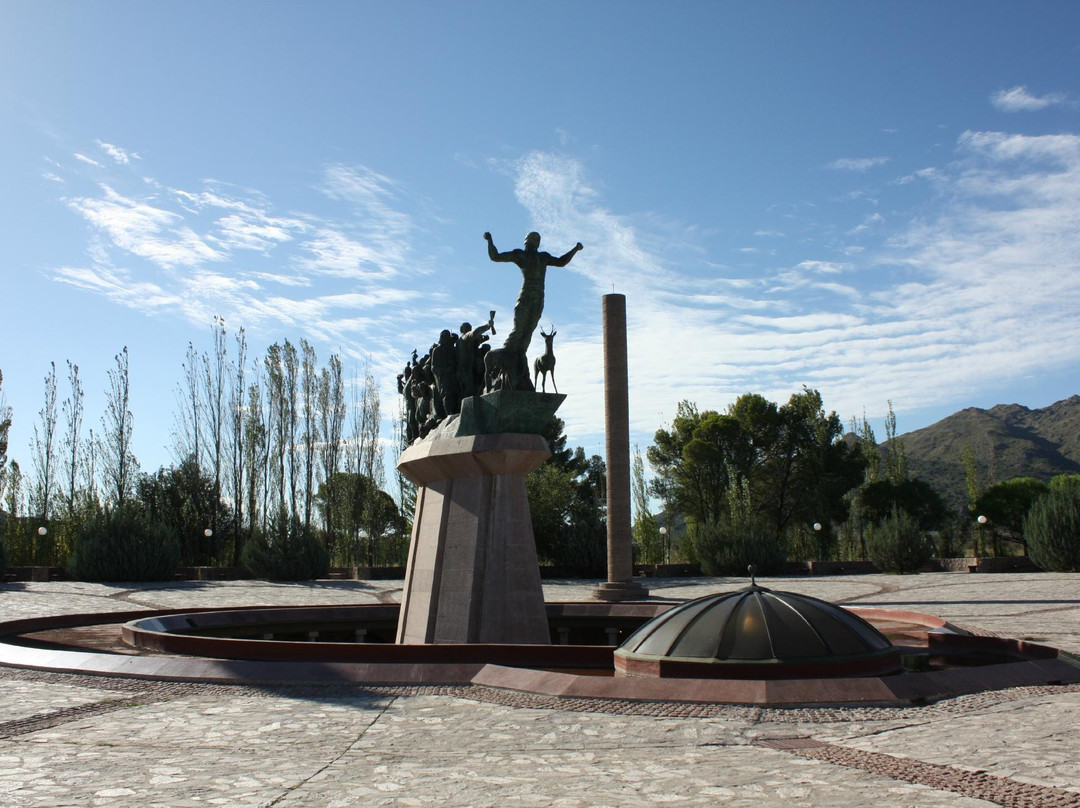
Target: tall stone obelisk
620	584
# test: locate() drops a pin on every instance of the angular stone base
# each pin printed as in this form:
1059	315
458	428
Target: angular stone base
619	591
472	573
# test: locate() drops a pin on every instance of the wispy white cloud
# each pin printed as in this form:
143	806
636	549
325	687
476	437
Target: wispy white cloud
119	155
858	163
980	287
88	160
118	286
922	310
824	267
929	174
1018	99
144	229
870	221
188	252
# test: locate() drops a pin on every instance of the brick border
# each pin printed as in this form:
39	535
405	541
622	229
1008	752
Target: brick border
975	784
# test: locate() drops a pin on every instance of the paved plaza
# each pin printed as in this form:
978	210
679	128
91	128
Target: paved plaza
76	740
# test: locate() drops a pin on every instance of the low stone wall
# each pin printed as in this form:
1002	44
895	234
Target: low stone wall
35	574
668	570
211	574
966	564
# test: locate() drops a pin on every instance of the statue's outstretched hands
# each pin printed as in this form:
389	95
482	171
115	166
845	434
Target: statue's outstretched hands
487	236
578	247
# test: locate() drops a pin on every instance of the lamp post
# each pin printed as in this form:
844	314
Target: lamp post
209	534
667	547
366	550
981	548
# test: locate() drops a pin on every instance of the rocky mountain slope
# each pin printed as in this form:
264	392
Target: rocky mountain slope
1008	440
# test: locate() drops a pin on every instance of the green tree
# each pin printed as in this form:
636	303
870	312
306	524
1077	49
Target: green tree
72	445
1007	503
645	530
286	551
1065	482
367	527
699	456
568	502
119	464
123	544
915	497
17	528
237	422
854	531
5	428
1052	527
899	544
731	545
332	410
792	458
896	469
44	452
183	498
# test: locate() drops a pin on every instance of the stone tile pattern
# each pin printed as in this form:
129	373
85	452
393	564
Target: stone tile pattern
73	740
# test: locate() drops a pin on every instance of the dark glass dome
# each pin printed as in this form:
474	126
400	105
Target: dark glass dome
757	632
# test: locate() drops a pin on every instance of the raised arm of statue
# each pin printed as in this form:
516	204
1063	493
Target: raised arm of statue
494	254
565	259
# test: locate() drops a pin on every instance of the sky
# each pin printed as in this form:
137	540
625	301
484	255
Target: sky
880	201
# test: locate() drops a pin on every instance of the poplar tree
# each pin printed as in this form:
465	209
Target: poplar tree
5	428
189	415
215	372
646	532
332	410
72	442
309	383
119	465
896	469
43	449
237	468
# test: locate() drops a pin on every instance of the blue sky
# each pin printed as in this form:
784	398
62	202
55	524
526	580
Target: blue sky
881	201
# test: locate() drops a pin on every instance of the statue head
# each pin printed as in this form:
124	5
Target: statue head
466	328
532	241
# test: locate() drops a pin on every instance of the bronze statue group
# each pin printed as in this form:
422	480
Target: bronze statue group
464	364
435	385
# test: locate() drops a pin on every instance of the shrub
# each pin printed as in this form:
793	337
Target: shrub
1052	529
287	551
121	544
728	547
898	544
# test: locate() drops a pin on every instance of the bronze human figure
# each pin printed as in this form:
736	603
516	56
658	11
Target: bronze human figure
530	302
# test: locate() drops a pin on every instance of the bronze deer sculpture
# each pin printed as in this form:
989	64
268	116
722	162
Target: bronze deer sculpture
543	365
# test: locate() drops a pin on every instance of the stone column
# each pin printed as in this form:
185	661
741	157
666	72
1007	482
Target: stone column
472	575
620	584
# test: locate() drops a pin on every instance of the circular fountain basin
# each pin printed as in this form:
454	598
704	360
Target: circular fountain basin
228	645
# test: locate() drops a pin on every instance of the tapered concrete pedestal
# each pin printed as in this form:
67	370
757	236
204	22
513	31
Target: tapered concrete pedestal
472	574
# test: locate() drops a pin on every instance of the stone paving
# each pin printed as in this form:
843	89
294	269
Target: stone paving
71	740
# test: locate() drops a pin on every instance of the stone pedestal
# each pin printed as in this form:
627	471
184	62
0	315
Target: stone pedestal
472	574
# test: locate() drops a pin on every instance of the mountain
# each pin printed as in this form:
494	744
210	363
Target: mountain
1008	440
